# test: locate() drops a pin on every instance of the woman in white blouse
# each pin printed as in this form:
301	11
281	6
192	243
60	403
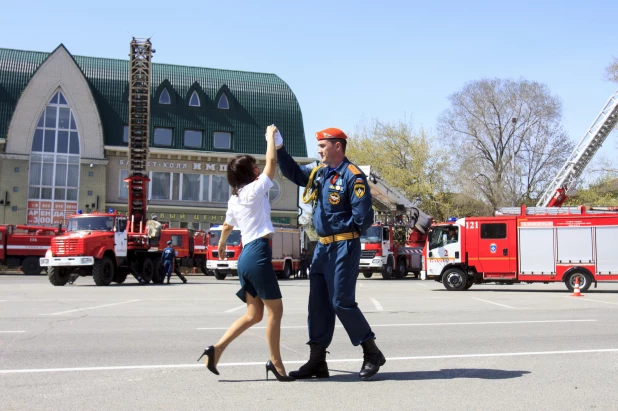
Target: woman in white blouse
249	210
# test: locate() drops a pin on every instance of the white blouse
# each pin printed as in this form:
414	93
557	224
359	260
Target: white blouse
250	210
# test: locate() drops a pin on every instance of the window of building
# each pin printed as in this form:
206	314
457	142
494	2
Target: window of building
497	230
191	187
220	189
193	138
164	97
223	103
160	186
125	134
163	136
222	140
55	155
123	187
274	191
194	101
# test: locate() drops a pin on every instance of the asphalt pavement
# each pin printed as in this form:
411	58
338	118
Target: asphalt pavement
128	347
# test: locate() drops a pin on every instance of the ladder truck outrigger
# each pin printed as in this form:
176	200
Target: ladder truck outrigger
109	246
393	245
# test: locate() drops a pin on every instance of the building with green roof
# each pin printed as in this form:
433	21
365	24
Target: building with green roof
64	137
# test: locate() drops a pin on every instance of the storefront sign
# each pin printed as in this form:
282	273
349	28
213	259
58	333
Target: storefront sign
50	212
191	166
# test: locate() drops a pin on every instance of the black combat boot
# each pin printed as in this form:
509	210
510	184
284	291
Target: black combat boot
168	280
315	367
373	359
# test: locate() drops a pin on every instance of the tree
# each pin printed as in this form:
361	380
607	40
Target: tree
405	159
611	71
603	192
506	140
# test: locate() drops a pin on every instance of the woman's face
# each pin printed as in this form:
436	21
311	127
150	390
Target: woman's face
256	170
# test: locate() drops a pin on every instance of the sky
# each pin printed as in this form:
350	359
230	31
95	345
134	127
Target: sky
351	61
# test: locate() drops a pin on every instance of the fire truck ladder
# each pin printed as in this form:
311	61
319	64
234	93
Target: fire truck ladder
139	119
571	171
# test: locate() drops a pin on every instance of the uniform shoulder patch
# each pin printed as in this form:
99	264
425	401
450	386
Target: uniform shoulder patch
354	170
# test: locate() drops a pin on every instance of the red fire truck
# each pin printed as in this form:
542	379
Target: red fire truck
201	239
23	245
109	246
285	245
393	246
538	244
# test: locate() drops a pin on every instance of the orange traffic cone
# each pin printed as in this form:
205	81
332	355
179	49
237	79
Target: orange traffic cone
576	292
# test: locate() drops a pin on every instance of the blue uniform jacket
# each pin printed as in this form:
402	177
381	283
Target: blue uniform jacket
168	254
344	199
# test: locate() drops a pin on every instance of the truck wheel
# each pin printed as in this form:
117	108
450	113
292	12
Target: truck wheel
157	274
455	279
120	278
103	271
417	274
387	270
367	275
402	269
203	267
30	266
469	284
287	271
57	276
585	280
148	270
219	275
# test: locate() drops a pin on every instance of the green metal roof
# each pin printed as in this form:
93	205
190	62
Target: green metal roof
256	100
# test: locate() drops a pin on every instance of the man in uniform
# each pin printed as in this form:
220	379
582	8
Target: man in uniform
167	258
342	211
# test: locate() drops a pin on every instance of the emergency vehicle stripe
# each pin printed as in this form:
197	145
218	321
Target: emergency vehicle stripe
27	247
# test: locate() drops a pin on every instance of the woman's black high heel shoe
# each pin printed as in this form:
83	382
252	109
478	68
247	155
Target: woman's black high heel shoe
284	378
210	353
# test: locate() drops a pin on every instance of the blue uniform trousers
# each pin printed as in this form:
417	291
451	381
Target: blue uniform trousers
332	291
167	268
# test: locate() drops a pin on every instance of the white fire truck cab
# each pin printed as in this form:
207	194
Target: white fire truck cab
540	244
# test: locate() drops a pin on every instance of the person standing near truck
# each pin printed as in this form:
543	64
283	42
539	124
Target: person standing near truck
167	258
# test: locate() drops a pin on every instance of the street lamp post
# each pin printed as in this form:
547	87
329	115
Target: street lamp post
514	121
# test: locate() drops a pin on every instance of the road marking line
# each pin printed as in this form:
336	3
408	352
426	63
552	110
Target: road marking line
91	308
377	304
491	302
11	332
261	363
236	309
428	324
596	301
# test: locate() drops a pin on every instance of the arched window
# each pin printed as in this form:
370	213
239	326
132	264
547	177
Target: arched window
164	98
53	180
274	192
194	101
223	103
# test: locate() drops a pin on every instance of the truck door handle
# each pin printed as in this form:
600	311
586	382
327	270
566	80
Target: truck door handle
505	252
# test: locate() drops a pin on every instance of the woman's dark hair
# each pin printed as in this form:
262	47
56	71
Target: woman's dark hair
240	172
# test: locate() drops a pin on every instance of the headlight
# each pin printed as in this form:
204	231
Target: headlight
377	261
85	260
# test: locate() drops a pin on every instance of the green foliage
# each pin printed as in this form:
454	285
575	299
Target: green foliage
603	192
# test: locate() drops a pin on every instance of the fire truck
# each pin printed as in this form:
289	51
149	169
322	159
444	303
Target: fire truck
393	245
536	244
285	244
23	245
200	240
109	246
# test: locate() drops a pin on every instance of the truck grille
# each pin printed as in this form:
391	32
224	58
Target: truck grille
368	253
68	247
228	254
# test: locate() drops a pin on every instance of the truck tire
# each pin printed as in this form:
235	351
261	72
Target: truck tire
402	269
585	280
120	278
219	275
158	276
103	271
57	276
455	279
367	275
387	270
148	270
30	266
287	271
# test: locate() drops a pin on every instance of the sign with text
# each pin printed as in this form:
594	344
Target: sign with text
49	212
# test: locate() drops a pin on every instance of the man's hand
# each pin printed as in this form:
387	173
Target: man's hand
222	251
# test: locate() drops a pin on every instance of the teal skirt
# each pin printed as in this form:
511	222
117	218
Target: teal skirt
255	271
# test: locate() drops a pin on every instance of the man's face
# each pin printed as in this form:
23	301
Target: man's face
328	151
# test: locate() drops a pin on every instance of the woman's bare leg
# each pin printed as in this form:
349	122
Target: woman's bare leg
273	332
254	314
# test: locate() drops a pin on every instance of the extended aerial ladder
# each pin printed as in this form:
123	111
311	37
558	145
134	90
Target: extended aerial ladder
139	119
568	176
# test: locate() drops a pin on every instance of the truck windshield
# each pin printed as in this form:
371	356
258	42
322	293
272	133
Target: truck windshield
373	235
91	224
442	235
233	239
